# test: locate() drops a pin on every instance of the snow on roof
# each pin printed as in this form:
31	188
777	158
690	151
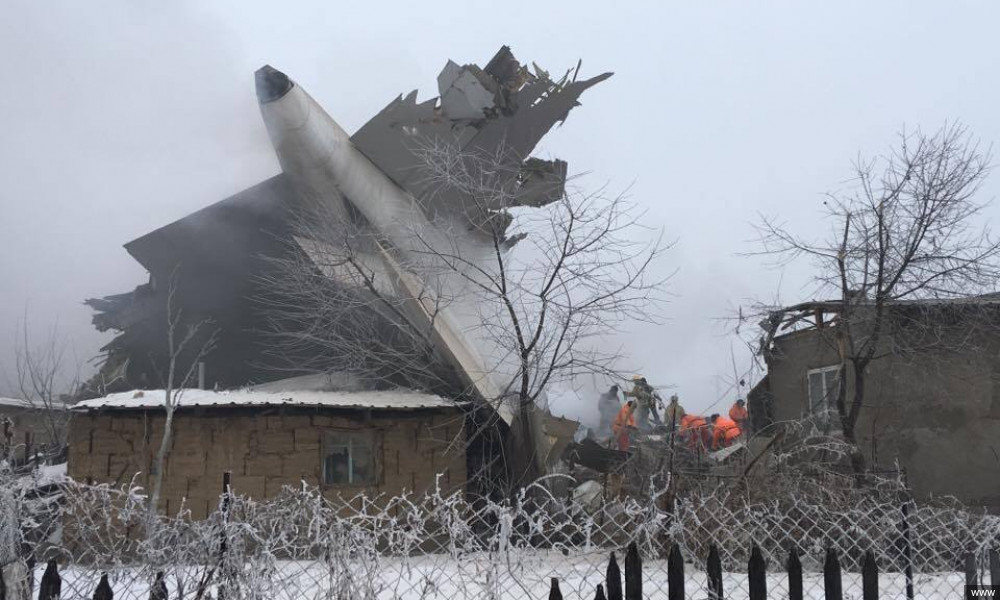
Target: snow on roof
399	399
22	403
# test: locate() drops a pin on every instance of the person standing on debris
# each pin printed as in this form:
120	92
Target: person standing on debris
739	414
608	406
674	413
645	397
624	425
724	432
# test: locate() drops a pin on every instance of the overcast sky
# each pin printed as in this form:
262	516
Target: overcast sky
118	117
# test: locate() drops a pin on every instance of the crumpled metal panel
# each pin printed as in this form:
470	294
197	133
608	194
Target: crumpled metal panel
503	109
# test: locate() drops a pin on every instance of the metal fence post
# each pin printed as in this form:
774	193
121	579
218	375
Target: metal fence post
158	591
104	591
613	578
757	574
600	593
833	587
907	551
714	570
675	574
226	501
869	577
971	577
794	568
633	573
554	592
224	543
51	585
30	564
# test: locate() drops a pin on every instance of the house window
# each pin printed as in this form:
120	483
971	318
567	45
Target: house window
824	385
349	458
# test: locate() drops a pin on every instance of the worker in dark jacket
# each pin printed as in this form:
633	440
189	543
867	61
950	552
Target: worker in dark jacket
608	406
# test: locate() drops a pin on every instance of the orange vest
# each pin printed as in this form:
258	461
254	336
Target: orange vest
725	431
738	413
624	420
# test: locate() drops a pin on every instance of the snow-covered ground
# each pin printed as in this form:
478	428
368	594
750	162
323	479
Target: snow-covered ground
485	577
49	474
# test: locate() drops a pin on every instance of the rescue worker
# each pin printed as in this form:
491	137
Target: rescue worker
608	406
724	432
646	398
624	425
673	413
739	414
694	429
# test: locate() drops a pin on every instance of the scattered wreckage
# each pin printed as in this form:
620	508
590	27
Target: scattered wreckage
657	453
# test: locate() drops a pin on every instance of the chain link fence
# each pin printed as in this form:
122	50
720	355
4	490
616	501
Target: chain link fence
303	545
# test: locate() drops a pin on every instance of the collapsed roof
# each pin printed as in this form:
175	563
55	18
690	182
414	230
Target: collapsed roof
820	314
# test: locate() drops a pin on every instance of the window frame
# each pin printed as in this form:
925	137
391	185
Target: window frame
373	440
828	399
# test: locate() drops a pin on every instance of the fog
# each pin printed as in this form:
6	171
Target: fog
119	117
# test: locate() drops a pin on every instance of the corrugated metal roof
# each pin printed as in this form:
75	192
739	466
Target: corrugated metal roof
399	399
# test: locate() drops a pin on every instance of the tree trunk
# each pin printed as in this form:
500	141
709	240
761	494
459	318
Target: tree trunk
157	466
849	419
525	464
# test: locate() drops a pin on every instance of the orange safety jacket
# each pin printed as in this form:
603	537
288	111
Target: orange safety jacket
724	432
738	413
623	421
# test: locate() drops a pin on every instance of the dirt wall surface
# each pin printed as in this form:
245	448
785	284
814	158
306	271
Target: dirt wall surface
263	452
43	425
936	413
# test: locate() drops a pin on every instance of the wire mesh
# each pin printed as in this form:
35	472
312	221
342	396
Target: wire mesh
302	544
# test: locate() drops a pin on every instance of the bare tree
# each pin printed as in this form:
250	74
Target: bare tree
579	270
902	243
43	374
331	305
186	343
536	304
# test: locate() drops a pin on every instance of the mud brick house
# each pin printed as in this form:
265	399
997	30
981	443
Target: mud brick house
932	398
345	442
32	426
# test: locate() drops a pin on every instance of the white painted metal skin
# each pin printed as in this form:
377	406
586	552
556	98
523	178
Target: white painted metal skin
325	166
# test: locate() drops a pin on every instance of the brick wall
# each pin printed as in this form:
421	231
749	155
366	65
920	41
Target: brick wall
263	452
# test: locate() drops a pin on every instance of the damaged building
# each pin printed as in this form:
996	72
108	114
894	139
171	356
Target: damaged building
932	395
215	266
